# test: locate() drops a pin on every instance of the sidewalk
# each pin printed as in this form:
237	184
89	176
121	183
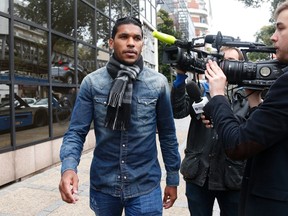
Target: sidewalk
39	195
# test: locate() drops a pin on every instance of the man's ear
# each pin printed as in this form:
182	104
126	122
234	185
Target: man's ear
111	43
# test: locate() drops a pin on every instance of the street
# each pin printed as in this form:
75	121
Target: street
38	195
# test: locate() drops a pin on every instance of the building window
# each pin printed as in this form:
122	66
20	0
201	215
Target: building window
35	11
103	32
62	16
86	23
55	45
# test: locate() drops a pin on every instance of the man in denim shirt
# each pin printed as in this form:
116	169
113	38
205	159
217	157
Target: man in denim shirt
126	102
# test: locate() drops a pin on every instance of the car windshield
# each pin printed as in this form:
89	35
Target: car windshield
41	101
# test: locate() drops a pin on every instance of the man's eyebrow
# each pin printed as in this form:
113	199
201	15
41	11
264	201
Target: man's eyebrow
122	33
125	34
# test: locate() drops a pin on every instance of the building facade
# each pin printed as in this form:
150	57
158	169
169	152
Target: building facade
178	11
201	13
46	48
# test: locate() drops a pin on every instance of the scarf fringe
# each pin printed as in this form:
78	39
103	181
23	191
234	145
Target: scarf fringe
115	125
113	99
116	93
115	121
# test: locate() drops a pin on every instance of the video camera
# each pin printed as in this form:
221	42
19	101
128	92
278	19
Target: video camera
188	57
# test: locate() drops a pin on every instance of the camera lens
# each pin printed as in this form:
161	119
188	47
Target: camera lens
237	71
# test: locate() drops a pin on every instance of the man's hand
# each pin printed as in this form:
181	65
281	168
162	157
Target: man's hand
170	195
206	122
216	78
68	186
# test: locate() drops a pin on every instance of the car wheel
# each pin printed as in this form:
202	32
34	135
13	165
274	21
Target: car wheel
40	118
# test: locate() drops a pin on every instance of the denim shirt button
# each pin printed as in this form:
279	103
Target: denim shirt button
124	145
122	161
125	177
118	176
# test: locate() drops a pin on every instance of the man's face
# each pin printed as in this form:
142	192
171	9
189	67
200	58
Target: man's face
231	54
280	37
127	44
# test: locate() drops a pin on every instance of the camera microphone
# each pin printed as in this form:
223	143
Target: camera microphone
211	39
194	93
219	40
169	39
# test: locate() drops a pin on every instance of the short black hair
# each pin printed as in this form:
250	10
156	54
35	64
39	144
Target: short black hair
126	20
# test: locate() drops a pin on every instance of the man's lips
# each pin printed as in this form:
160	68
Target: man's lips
130	52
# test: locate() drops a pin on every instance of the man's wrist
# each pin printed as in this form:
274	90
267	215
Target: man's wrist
172	178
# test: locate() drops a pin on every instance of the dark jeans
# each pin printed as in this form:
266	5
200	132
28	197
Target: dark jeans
106	205
201	200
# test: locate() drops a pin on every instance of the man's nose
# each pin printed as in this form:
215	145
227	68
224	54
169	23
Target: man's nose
130	41
273	37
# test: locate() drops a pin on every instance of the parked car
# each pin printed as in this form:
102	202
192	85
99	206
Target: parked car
35	115
24	115
43	102
65	72
29	100
61	108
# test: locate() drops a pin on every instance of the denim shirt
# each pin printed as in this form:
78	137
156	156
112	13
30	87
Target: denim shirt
125	163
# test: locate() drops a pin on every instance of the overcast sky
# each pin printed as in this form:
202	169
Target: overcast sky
232	18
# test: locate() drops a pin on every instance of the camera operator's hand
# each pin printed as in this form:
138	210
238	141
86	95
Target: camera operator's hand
207	122
216	78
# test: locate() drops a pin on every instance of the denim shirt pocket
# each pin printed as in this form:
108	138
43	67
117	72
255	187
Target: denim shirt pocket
100	109
146	109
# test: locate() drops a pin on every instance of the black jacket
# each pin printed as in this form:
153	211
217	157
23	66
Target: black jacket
263	138
204	155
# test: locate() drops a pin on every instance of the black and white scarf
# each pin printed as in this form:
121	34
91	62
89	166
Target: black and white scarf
120	95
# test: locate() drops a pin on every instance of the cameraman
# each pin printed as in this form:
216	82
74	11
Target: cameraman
209	174
263	138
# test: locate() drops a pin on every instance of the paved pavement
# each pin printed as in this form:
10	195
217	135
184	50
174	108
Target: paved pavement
39	196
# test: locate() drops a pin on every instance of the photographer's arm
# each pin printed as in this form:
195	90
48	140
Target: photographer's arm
216	86
216	78
180	78
225	122
217	82
179	99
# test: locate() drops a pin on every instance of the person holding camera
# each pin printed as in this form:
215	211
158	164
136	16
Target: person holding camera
262	138
208	173
126	102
